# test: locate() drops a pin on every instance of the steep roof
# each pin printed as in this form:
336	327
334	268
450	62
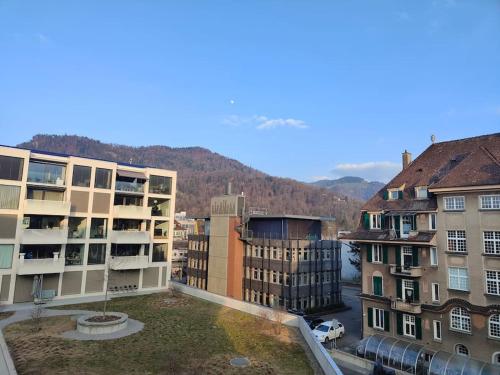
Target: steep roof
460	163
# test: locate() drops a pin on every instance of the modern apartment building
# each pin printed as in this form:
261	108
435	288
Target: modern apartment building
430	249
73	226
287	260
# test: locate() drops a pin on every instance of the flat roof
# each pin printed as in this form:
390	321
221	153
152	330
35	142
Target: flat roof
286	216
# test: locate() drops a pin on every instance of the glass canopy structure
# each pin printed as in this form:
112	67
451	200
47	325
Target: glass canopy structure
416	359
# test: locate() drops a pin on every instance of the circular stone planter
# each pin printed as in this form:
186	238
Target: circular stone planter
100	328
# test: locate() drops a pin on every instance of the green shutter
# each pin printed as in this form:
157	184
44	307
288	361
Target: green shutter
400	194
415	256
366	220
398	256
397	223
386	195
413	222
377	286
369	253
399	288
416	291
399	321
370	317
382	221
418	328
385	255
387	321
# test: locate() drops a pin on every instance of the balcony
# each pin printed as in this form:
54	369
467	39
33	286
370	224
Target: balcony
404	306
44	236
40	266
407	271
129	187
130	237
132	212
133	262
46	207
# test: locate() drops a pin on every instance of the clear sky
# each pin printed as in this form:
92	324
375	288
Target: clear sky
302	89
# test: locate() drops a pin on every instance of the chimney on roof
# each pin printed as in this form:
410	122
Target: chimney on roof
229	188
406	159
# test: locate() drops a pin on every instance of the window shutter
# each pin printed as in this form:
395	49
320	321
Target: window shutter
413	222
386	195
387	321
399	288
415	256
418	328
377	286
416	291
399	320
366	220
369	253
385	254
398	256
382	221
400	194
370	317
397	224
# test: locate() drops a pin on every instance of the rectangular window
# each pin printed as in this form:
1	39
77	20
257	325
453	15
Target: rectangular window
394	194
491	242
98	228
159	252
102	178
375	221
6	252
46	173
74	254
409	325
457	241
97	253
434	256
432	221
454	203
9	197
376	253
160	185
493	282
437	329
435	292
458	278
81	176
11	168
490	202
421	192
378	318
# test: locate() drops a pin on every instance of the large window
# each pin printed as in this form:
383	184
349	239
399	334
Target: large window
458	278
97	253
460	319
494	326
81	176
11	168
378	318
493	282
6	252
490	202
421	192
46	173
435	292
44	195
375	221
491	242
409	325
74	254
160	185
457	241
98	227
454	203
77	227
159	252
377	253
102	178
9	197
434	256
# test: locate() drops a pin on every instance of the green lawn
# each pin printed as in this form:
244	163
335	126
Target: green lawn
182	335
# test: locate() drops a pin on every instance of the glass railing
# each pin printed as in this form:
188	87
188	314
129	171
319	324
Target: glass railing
44	173
76	233
129	186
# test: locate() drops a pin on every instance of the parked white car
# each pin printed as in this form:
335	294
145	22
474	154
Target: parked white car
328	331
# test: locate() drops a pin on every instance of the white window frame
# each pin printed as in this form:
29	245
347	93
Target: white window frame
494	202
457	350
459	243
496	324
419	189
376	221
406	250
460	320
495	358
454	203
378	313
433	256
437	330
377	253
410	323
433	215
435	292
461	284
493	241
492	283
390	192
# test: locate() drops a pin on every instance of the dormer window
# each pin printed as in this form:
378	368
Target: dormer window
394	194
421	192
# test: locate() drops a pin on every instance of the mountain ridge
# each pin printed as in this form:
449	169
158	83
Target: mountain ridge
354	187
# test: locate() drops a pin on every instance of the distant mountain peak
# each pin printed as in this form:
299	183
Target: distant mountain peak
352	187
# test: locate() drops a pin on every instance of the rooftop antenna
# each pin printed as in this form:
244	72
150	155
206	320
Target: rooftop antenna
433	138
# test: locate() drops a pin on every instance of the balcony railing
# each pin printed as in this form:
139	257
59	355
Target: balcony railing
129	187
130	237
129	262
46	207
132	212
406	271
405	306
44	236
40	266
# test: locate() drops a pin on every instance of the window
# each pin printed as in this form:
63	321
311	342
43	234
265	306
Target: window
74	254
436	324
159	252
375	221
6	252
11	168
44	195
377	286
493	282
491	243
378	318
408	290
46	173
393	194
98	228
495	358
460	319
435	292
458	278
409	325
421	192
9	197
490	202
77	227
494	326
97	253
461	349
434	256
81	176
102	178
456	241
407	256
432	221
454	203
160	185
376	253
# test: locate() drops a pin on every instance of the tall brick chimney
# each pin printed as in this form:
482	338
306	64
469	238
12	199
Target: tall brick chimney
406	159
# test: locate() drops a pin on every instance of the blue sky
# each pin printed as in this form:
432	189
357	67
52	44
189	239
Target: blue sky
302	89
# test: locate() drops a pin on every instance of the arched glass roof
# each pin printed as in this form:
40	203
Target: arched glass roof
455	364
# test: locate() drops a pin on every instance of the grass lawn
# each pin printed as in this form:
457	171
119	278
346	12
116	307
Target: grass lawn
182	335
